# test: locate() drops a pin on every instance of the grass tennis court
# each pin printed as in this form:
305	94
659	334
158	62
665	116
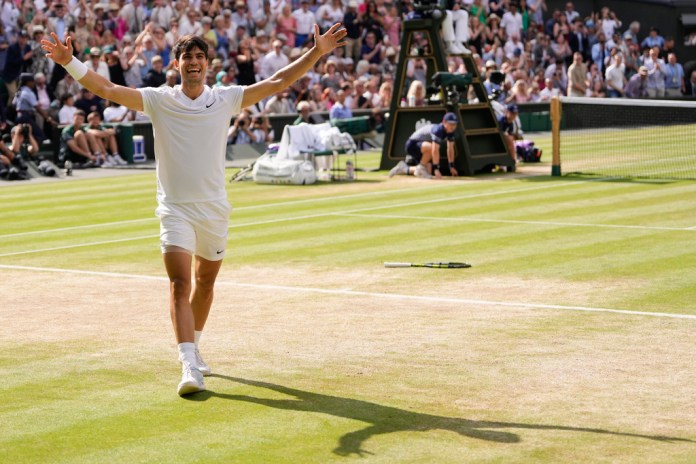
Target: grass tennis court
571	339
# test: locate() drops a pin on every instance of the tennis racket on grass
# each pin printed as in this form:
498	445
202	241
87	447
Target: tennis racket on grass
442	265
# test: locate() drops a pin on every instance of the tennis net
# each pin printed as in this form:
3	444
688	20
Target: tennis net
628	138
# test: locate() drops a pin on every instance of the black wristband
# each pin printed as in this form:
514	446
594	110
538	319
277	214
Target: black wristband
436	166
451	165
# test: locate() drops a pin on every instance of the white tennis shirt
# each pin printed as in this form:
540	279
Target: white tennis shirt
191	140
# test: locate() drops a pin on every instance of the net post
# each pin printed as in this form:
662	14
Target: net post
556	136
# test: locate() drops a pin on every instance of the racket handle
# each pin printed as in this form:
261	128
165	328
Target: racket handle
397	264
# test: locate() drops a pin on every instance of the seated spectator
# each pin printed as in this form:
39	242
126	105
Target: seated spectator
549	91
115	113
104	141
371	51
339	110
280	104
510	130
74	145
261	128
240	132
303	108
67	109
89	102
156	76
415	96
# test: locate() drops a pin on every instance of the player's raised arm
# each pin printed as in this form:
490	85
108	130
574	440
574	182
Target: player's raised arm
62	54
323	44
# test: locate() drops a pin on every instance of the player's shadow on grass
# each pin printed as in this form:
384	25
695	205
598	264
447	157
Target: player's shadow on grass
386	419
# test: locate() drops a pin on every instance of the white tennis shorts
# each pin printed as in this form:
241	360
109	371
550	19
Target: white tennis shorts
199	228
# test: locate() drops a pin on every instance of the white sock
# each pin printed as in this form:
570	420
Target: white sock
187	352
197	336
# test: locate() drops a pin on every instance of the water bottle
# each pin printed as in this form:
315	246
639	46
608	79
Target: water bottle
411	101
350	170
68	168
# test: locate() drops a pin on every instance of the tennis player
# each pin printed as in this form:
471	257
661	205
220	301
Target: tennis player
190	123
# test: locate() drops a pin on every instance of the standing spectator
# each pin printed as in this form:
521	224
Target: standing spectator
115	23
305	23
133	14
561	49
246	57
286	24
45	97
392	26
273	61
264	19
633	30
162	13
19	57
608	22
371	51
280	104
570	12
353	23
455	30
616	77
372	20
578	40
512	21
656	73
61	19
27	106
577	77
675	85
116	65
692	84
241	16
134	63
536	11
637	86
600	52
39	62
96	64
189	24
653	40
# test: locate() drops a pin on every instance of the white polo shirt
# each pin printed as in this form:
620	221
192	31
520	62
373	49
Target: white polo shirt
191	140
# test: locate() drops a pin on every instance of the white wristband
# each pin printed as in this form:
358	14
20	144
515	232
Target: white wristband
76	68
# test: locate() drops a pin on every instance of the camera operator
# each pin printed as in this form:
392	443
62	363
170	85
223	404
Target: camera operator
27	105
11	166
241	131
23	141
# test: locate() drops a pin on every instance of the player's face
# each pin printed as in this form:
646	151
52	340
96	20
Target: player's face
450	127
192	65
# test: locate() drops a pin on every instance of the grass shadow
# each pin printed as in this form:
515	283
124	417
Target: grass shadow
386	419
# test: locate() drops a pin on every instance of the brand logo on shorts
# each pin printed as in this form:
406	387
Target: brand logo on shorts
219	251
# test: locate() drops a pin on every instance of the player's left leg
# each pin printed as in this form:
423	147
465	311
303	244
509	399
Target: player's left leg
201	301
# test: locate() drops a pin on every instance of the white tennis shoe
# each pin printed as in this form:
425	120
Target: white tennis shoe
400	168
201	365
422	172
191	380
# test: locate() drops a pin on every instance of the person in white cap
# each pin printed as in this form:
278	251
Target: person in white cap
190	122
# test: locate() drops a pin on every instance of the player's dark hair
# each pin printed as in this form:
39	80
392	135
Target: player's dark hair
188	43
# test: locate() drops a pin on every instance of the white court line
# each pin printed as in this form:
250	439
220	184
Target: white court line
354	293
514	221
241	208
299	218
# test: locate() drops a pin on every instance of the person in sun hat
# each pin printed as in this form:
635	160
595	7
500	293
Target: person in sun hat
190	122
423	149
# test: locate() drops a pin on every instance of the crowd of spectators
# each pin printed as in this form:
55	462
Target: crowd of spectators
540	52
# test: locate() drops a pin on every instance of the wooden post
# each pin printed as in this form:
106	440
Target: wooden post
556	136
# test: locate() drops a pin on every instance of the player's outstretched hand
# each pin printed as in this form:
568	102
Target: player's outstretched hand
331	39
56	50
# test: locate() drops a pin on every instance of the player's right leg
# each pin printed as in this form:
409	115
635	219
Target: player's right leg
178	240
